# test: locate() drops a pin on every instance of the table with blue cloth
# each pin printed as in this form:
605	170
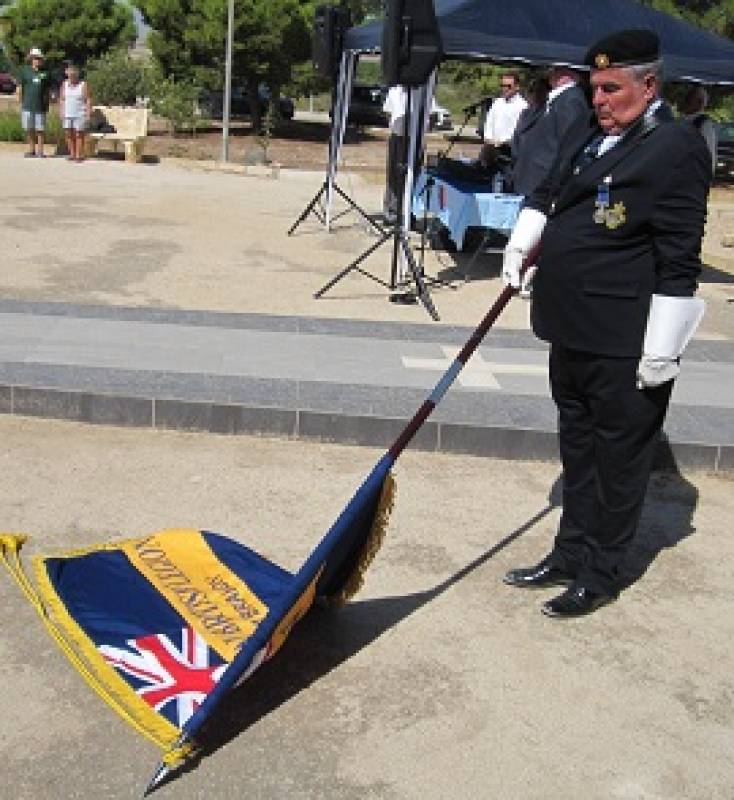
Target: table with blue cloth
461	205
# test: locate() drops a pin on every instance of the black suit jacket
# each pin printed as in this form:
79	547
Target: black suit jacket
594	283
539	134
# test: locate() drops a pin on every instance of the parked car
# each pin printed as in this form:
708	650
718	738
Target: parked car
211	104
440	118
725	150
365	105
7	83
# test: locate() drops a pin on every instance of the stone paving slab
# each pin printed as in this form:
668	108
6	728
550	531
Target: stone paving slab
333	380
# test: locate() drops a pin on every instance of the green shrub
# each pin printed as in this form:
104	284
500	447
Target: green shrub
12	131
115	79
54	129
176	101
10	127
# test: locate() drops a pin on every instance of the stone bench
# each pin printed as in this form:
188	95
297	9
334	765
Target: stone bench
130	126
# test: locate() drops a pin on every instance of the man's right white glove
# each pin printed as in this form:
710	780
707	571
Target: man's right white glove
525	236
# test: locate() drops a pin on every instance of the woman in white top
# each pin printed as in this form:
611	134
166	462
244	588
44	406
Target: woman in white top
76	108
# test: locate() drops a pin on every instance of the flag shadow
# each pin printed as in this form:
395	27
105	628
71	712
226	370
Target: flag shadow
322	641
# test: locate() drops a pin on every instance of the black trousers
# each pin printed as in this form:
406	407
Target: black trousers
608	432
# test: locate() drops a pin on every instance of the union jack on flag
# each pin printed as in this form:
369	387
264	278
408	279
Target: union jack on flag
172	677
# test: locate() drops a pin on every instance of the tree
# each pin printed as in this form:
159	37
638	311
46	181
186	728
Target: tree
270	36
73	29
713	15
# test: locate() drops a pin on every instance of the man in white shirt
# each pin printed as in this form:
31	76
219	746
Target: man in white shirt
503	115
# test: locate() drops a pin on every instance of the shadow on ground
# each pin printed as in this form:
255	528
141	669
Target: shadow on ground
711	274
326	638
667	517
321	642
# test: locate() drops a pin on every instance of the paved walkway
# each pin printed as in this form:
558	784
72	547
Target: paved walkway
335	380
172	298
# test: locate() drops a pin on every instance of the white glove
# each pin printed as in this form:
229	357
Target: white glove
525	236
671	323
654	371
511	263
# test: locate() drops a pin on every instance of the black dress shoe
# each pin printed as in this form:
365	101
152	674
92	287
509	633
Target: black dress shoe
538	577
575	602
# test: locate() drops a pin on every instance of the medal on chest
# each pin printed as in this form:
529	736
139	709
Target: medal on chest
612	216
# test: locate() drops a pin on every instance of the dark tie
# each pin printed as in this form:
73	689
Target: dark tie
590	152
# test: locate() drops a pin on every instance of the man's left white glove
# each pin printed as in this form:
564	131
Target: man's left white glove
654	371
525	236
671	323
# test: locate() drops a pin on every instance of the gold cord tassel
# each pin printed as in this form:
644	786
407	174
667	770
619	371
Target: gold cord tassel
371	546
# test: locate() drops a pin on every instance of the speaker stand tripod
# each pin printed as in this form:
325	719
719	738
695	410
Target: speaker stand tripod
399	293
401	246
315	207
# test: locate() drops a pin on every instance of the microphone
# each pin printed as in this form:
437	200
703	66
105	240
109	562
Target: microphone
470	109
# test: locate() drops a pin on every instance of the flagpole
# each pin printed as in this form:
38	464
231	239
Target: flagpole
161	773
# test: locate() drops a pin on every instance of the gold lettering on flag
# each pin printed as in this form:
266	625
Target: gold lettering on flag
215	601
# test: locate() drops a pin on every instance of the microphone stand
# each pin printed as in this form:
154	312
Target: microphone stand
426	192
469	112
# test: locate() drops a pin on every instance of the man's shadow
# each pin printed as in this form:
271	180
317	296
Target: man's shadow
322	641
666	517
326	638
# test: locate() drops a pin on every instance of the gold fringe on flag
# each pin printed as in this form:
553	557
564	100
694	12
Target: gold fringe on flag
372	544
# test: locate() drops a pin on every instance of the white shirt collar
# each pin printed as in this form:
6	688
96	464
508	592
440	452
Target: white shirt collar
608	142
555	92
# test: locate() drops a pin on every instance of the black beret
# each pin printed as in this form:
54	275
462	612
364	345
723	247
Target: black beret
624	49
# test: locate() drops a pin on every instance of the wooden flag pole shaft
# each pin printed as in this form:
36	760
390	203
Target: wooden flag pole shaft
184	743
458	364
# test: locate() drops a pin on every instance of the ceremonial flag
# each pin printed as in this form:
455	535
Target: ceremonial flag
162	627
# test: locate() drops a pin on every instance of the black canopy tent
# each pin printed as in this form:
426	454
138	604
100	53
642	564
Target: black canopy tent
536	33
542	32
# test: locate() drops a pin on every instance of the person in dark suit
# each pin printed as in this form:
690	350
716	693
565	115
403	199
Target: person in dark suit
621	215
540	132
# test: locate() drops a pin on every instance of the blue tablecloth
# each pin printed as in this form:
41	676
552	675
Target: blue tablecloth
461	205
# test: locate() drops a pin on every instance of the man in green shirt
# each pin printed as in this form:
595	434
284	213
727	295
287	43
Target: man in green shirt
35	84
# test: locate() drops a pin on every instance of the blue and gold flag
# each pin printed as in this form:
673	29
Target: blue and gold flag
163	626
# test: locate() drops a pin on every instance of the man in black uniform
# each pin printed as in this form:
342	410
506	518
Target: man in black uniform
621	215
539	134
